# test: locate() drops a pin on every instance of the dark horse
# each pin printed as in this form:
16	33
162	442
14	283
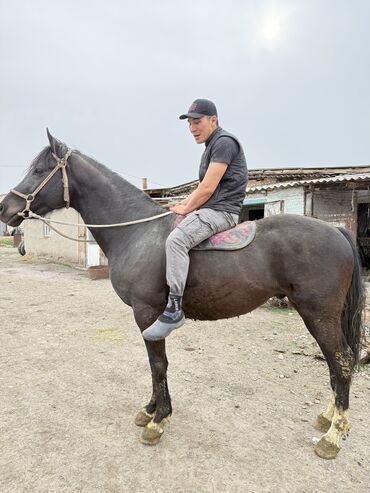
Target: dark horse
312	263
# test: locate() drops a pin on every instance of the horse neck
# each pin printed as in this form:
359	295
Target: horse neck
104	197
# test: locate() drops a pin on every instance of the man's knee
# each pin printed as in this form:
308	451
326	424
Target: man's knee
176	240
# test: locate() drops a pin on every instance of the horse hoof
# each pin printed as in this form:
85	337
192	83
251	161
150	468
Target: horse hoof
326	449
322	423
143	418
152	432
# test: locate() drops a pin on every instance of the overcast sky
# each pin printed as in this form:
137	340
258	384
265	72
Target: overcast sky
290	78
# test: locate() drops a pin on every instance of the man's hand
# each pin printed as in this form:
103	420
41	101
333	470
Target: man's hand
179	209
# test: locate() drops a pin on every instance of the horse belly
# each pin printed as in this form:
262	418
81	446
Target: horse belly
216	293
214	305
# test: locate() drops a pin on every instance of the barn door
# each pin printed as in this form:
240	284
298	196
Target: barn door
93	252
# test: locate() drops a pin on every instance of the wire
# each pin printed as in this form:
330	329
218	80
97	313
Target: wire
119	172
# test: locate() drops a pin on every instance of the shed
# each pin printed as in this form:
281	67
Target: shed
339	195
41	240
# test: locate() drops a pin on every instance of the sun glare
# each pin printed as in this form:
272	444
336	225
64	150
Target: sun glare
271	28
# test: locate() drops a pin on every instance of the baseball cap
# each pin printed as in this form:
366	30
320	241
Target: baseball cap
199	108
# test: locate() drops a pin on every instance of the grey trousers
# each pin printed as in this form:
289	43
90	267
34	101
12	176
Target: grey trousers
196	227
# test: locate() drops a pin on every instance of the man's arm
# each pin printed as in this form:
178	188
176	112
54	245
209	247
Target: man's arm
204	190
182	202
186	199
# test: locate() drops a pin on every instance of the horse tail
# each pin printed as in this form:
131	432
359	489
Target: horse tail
352	321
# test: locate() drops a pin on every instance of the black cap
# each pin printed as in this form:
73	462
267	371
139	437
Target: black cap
199	108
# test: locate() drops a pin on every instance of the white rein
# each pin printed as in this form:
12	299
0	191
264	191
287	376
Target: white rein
62	164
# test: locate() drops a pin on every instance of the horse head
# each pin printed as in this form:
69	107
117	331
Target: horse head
42	189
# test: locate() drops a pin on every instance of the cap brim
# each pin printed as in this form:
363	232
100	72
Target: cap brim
191	115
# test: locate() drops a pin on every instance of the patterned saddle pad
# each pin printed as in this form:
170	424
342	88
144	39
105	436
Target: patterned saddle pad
232	239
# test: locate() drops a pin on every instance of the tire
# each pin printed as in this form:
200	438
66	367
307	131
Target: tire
21	249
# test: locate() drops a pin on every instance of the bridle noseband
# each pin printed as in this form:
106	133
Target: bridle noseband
61	165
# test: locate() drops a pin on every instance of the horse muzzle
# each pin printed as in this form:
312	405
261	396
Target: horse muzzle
10	208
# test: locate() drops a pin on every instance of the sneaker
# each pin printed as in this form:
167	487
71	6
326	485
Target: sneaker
172	318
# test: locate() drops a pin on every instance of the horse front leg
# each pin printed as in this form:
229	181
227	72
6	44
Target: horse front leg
146	414
158	411
159	381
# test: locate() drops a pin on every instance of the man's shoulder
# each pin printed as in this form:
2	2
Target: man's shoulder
226	140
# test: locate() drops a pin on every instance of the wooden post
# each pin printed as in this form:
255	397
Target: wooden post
145	183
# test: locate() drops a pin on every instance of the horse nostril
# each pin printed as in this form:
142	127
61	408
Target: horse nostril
1	207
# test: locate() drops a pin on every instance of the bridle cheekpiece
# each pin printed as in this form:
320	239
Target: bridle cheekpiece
61	165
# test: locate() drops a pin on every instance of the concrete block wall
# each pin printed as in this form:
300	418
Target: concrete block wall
293	199
53	245
336	207
363	196
332	202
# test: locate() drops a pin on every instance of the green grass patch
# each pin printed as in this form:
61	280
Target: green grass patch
363	369
6	241
278	309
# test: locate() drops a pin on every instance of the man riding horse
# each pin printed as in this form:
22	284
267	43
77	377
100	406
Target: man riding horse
212	207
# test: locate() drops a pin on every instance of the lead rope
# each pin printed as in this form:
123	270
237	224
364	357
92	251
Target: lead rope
62	164
46	221
114	225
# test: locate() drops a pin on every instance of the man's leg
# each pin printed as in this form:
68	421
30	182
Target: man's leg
195	228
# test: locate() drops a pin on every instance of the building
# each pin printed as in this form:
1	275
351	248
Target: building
339	195
41	240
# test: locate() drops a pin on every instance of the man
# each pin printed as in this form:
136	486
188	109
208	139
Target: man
213	207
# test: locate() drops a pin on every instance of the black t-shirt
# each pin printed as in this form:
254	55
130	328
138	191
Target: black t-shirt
224	150
224	147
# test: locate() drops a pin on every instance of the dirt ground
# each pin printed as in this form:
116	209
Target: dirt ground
245	393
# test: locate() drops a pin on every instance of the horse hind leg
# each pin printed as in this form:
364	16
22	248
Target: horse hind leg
324	419
340	359
330	444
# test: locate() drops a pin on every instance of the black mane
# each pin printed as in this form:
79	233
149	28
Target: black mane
41	156
114	178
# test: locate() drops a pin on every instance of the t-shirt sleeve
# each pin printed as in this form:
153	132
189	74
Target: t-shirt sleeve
225	149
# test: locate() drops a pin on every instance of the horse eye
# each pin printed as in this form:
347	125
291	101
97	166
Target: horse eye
38	171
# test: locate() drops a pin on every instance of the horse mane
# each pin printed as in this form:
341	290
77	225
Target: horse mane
122	186
41	156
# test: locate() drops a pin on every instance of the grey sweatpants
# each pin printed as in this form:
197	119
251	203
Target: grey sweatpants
196	227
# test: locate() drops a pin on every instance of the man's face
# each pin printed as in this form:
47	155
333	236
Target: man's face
201	128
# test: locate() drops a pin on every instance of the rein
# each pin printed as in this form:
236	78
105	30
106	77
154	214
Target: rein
32	215
62	165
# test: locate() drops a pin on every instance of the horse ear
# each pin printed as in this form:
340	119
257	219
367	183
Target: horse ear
55	144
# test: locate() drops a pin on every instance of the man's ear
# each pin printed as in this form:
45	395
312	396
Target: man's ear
55	145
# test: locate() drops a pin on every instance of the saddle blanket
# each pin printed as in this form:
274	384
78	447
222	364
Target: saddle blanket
232	239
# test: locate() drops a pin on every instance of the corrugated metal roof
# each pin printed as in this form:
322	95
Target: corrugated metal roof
316	181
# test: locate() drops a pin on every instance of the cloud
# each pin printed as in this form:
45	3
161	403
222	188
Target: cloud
111	79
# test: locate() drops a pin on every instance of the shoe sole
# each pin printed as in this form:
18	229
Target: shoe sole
168	328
